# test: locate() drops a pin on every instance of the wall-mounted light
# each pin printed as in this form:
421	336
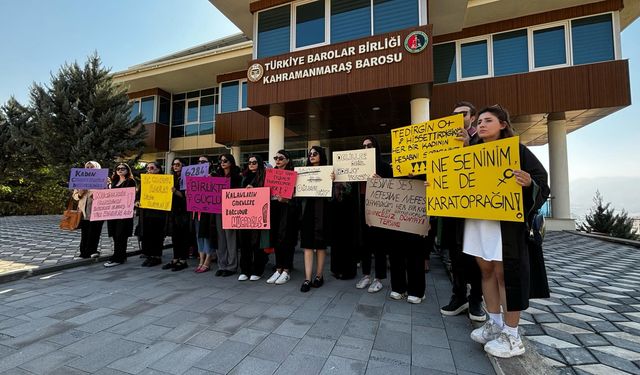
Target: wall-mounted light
312	116
375	108
383	125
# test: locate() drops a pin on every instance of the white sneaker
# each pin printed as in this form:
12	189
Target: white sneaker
489	331
255	278
415	300
364	282
375	286
95	255
284	278
396	295
243	277
111	264
505	346
273	277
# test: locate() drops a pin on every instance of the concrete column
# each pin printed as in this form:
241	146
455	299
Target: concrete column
419	110
235	151
559	169
168	160
276	135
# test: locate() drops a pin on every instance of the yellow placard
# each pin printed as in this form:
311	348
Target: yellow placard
411	144
476	182
155	191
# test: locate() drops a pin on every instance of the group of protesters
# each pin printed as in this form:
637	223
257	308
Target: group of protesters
493	257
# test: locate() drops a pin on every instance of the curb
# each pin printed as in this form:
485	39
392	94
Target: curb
37	271
617	240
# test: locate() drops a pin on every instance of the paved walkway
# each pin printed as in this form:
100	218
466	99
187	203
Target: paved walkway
591	325
133	320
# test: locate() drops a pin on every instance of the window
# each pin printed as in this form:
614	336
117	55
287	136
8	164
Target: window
147	108
549	47
229	96
592	39
350	19
195	115
510	53
474	59
192	111
274	31
310	20
243	100
164	111
178	113
208	108
135	109
444	63
390	15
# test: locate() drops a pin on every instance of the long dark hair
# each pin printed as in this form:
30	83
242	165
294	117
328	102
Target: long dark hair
233	170
321	152
503	116
258	179
376	145
115	178
289	166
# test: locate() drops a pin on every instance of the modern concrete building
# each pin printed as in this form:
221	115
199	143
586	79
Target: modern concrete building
331	71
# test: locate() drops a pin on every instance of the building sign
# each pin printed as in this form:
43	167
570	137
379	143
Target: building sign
401	57
476	182
410	145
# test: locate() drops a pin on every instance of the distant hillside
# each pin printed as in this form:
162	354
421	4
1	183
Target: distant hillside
622	192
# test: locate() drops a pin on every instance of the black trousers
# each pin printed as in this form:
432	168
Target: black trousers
119	248
375	242
284	257
153	236
252	261
407	264
90	232
181	238
464	267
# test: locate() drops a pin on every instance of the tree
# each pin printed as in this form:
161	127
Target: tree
603	219
82	115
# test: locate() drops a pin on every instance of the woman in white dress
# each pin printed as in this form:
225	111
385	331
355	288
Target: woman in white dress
501	247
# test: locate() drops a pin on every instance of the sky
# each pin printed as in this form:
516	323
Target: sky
39	36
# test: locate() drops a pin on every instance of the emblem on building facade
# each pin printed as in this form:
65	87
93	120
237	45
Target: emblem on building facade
255	72
416	42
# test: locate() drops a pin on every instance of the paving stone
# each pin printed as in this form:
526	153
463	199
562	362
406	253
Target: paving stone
183	332
293	328
145	357
182	357
577	356
299	363
613	361
147	334
431	357
328	327
225	357
592	339
388	363
354	348
603	326
470	356
113	351
430	336
364	329
393	342
26	354
48	362
249	336
343	366
315	346
275	348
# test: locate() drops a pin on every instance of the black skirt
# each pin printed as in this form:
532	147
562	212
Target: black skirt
314	233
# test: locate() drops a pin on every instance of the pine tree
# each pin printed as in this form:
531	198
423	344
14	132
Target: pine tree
600	218
82	115
17	138
623	227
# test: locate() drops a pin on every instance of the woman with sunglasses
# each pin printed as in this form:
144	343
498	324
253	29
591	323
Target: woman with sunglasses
152	227
205	233
179	217
252	256
501	248
227	238
284	227
120	229
90	231
314	235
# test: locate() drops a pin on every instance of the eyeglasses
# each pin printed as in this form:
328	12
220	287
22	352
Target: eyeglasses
121	169
176	164
313	153
464	113
253	162
203	161
279	158
367	145
224	161
150	168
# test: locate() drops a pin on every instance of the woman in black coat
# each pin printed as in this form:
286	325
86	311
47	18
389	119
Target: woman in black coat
152	227
227	238
501	247
120	229
179	218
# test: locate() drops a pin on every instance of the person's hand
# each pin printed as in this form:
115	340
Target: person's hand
282	200
249	186
333	176
375	175
463	135
522	178
426	183
173	189
410	175
137	204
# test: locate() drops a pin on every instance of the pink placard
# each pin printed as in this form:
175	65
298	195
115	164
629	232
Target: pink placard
246	208
281	181
111	204
204	194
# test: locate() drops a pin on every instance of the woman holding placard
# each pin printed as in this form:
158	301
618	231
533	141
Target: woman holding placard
90	231
252	256
205	233
179	222
152	227
227	238
314	235
120	229
501	249
284	227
